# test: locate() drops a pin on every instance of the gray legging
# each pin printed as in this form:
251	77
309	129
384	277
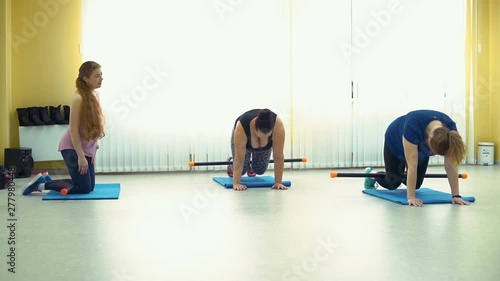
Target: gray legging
82	184
260	158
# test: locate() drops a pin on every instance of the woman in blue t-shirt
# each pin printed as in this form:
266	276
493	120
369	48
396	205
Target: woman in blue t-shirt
409	142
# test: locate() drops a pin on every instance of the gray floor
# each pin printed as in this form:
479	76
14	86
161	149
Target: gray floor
183	226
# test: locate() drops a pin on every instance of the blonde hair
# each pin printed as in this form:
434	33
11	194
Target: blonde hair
91	115
449	143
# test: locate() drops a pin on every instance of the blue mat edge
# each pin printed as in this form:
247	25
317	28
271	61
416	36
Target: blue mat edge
369	192
56	196
286	183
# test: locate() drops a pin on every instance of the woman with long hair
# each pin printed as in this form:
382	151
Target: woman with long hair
79	143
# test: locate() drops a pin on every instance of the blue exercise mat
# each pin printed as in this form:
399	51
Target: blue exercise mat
258	181
427	195
101	191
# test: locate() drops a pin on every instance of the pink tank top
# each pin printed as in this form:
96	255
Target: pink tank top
89	146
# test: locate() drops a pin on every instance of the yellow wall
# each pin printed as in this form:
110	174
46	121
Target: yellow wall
494	73
485	57
482	93
45	55
4	76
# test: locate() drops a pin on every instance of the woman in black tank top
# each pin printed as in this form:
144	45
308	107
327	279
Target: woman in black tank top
256	134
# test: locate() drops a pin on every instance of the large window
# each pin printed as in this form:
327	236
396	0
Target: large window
178	73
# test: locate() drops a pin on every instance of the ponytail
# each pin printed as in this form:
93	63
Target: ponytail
457	150
448	143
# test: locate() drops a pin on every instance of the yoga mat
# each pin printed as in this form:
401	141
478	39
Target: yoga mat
101	191
257	181
427	195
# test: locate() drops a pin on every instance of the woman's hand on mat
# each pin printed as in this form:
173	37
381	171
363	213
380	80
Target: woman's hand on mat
83	165
415	202
459	201
239	187
279	186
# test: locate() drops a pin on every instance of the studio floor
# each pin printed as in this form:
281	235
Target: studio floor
184	226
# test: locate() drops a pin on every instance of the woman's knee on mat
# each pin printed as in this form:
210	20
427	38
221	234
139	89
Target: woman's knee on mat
259	170
81	189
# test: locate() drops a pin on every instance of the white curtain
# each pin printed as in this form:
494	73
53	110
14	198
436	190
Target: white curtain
406	55
322	109
178	73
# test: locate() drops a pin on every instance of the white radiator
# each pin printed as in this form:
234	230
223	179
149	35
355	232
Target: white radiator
125	150
331	143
